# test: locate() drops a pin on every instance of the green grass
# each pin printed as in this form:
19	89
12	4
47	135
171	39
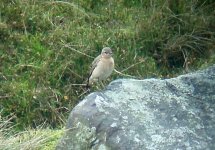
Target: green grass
46	48
40	139
35	139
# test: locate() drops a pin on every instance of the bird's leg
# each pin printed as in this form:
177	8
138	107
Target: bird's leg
86	91
103	86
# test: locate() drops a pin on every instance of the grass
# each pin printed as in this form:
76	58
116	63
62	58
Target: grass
31	139
39	139
46	48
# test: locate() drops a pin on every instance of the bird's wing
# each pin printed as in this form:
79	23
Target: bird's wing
94	64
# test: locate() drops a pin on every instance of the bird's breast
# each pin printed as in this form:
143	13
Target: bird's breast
106	67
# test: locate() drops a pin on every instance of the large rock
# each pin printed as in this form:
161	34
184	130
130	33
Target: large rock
151	114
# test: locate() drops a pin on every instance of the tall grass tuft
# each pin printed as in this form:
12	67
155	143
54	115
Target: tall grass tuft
37	139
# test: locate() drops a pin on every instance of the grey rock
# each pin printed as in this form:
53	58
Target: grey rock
151	114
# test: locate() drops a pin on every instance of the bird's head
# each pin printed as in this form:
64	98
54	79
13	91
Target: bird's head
106	52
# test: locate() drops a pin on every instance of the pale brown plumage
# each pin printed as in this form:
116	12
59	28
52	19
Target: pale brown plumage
102	66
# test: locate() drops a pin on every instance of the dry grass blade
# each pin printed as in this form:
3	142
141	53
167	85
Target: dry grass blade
80	10
126	75
133	65
67	46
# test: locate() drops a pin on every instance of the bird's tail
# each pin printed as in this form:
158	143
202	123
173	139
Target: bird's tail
88	83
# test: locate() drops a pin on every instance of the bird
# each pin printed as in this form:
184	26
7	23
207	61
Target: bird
102	67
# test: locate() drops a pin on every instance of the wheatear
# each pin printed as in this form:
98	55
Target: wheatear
102	67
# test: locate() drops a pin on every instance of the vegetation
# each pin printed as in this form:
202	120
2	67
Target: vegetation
46	48
43	139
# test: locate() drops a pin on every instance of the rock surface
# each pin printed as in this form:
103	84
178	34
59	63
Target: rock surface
151	114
